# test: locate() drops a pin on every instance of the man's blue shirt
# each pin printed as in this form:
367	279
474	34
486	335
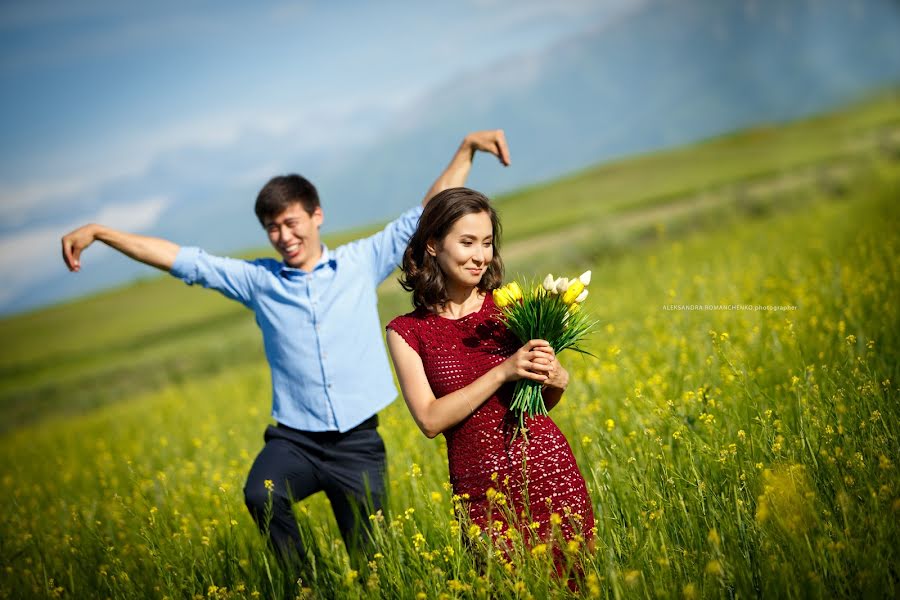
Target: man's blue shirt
321	331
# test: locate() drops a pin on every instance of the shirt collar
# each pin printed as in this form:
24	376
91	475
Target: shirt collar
325	260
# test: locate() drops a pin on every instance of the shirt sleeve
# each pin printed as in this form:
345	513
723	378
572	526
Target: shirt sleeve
233	278
384	250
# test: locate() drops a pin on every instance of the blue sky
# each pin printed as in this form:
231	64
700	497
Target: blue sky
167	118
98	94
93	91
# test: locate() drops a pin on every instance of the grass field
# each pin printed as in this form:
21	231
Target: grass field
728	452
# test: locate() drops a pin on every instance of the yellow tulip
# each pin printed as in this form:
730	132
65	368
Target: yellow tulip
502	298
515	292
573	291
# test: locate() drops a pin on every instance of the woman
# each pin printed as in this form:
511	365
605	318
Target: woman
457	364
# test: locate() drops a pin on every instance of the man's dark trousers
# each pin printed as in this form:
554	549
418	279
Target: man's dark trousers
349	467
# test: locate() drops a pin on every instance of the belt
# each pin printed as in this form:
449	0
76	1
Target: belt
370	423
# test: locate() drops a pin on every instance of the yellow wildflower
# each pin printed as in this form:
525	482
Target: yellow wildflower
632	577
714	567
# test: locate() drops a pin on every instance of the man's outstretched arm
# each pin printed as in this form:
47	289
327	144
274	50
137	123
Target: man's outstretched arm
456	173
155	252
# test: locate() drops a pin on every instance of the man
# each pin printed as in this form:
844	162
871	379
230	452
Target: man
322	337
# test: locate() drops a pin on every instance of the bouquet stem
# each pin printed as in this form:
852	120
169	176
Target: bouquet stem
527	400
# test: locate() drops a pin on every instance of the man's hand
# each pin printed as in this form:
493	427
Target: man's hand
75	242
456	173
155	252
491	140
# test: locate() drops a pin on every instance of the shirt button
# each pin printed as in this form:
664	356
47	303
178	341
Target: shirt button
329	386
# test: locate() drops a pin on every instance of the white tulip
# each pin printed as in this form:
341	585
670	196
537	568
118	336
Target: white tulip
585	278
562	284
549	283
582	296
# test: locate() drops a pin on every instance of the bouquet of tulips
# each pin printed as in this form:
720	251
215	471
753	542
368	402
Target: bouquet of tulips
550	311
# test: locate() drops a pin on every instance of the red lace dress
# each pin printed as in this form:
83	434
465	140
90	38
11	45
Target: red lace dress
538	478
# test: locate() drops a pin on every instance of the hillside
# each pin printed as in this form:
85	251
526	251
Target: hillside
107	348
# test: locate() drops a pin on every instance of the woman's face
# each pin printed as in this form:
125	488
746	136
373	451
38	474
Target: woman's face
466	251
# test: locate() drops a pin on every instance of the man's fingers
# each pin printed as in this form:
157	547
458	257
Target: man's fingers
67	254
501	154
502	148
493	141
72	254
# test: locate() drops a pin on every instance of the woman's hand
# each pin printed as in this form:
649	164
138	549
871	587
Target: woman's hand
531	361
557	376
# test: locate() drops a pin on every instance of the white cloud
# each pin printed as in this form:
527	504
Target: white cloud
16	200
26	256
131	157
136	216
317	127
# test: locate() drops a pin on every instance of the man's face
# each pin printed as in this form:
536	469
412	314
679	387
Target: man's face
295	235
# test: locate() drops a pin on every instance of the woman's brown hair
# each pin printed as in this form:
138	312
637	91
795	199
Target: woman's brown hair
421	273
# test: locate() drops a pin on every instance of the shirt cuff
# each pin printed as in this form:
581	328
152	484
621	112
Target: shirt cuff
413	213
185	265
